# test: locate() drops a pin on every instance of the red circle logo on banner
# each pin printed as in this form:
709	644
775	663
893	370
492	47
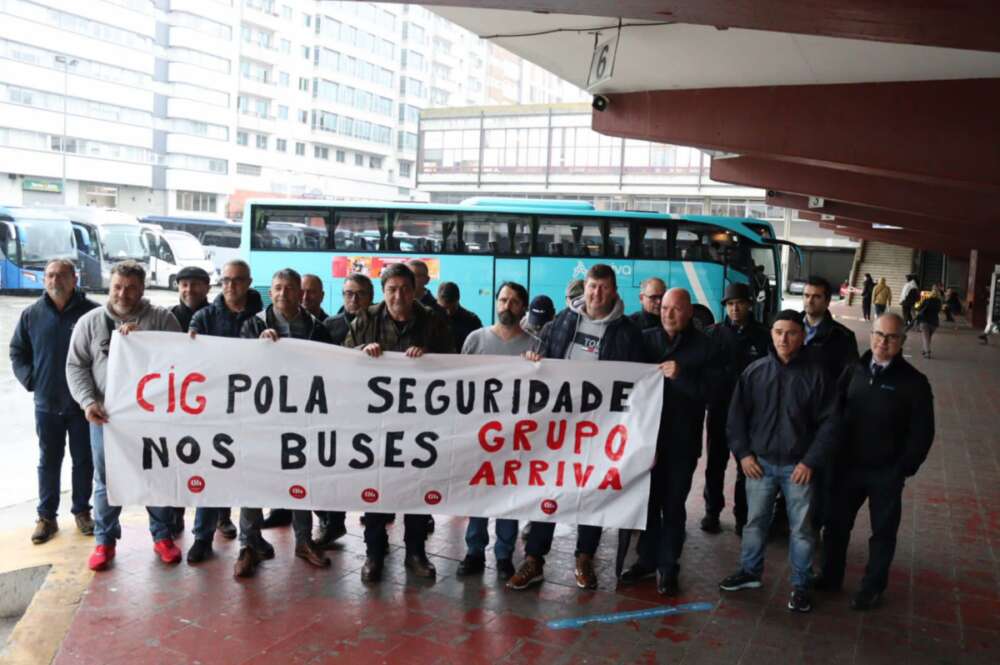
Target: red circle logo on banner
549	506
369	495
297	491
433	497
196	484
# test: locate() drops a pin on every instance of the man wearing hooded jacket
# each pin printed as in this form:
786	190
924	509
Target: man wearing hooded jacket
593	328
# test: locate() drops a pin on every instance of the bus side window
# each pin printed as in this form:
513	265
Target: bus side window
485	234
360	230
425	233
570	237
655	240
618	240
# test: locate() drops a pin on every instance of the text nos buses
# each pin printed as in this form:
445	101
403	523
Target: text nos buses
543	245
29	239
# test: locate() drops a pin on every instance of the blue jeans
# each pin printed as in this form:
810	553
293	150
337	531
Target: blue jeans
52	429
477	537
761	493
205	522
107	528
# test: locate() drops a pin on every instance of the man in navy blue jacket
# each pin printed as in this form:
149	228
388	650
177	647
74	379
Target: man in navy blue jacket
38	352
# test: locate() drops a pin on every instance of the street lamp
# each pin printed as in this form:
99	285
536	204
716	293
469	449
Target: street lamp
66	64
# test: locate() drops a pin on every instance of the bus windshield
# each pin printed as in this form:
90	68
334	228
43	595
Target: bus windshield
124	241
45	239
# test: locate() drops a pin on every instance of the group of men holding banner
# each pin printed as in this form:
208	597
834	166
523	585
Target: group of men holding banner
784	400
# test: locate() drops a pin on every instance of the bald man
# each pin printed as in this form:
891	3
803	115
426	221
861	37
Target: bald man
691	364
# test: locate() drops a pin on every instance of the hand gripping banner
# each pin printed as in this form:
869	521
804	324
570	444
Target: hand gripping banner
296	424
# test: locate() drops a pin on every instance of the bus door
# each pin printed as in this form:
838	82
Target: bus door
496	248
88	253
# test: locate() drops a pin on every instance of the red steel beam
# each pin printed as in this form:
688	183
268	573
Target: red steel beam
970	24
928	132
944	203
868	215
904	239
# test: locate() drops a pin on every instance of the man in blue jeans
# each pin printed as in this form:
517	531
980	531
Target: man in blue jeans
38	357
503	338
781	427
87	376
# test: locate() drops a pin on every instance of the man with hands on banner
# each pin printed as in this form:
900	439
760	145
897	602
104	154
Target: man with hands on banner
285	317
87	376
594	327
224	317
691	365
398	323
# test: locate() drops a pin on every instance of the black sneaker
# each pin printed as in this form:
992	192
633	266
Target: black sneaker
328	534
636	573
226	528
264	549
740	580
866	600
505	569
667	585
200	550
471	565
799	600
710	524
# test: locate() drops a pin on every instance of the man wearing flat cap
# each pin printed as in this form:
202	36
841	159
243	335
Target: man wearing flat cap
742	340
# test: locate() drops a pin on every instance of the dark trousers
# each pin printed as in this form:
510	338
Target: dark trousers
329	518
662	542
715	469
907	314
866	308
415	529
883	488
821	499
52	430
879	310
539	542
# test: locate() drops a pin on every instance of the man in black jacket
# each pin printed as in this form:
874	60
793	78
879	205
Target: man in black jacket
593	328
193	284
834	347
285	317
461	321
742	341
358	294
782	425
691	366
223	318
650	298
38	352
888	427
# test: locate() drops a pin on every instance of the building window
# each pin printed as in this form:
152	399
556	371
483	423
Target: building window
196	201
341	156
248	169
262	141
375	162
286	12
307	20
286	46
282	112
300	149
284	79
319	152
241	138
304	117
303	84
404	169
281	145
359	159
306	52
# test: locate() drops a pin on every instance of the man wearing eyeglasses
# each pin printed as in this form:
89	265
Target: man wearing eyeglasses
650	297
223	318
888	426
358	294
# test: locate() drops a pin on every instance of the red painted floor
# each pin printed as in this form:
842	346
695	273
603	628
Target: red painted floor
943	604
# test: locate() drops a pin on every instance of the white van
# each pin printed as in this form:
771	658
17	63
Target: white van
169	251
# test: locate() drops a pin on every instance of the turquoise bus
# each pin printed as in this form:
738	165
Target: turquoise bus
542	244
29	239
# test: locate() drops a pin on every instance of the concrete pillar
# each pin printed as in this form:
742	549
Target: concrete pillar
981	266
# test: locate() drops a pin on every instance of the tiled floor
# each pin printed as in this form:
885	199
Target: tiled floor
943	604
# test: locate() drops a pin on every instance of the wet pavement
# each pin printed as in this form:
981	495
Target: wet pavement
942	605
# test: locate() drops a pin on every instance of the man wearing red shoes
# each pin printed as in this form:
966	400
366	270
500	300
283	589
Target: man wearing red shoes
87	373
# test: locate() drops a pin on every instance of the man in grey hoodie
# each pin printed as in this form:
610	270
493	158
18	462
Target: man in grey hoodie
87	376
594	327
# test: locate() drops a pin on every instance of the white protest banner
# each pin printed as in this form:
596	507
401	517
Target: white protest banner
296	424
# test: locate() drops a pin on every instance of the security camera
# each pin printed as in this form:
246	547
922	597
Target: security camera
600	103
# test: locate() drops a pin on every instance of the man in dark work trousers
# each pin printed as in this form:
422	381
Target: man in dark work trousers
398	323
888	426
691	365
742	340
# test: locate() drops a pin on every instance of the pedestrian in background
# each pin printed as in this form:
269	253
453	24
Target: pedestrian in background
881	297
866	296
928	318
38	353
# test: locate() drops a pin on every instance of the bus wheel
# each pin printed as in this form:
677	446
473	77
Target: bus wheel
702	318
172	285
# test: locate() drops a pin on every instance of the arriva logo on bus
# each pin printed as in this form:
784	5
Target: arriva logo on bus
580	271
